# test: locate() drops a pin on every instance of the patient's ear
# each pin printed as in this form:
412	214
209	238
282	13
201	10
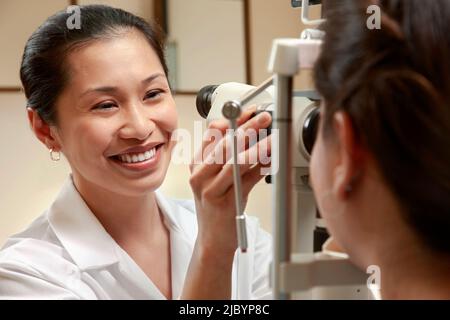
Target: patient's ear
350	156
42	130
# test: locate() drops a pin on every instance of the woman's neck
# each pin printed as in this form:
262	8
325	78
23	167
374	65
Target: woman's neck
409	269
125	218
413	271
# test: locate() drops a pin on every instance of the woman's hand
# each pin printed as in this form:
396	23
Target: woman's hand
212	179
209	274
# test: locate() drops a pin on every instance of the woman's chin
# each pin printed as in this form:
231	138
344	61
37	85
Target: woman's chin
142	186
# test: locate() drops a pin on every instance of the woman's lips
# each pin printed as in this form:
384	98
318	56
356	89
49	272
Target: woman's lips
145	164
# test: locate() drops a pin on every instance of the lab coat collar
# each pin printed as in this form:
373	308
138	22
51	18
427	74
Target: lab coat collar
177	217
91	246
182	222
79	231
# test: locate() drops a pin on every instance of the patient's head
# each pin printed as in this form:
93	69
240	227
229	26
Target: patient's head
381	165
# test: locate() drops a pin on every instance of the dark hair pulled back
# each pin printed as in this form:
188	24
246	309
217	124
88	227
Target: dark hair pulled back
394	83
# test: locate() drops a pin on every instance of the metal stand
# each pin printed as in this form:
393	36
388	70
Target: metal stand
300	272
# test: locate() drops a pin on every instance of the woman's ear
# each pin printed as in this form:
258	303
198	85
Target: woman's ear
349	153
42	130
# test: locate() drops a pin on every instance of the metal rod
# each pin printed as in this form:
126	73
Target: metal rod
255	92
232	110
282	121
305	15
240	216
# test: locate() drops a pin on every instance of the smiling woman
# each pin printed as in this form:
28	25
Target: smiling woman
100	96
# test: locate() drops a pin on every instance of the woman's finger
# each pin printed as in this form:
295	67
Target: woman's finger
222	152
257	155
215	133
253	176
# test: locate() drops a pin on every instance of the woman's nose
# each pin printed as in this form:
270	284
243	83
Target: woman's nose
138	124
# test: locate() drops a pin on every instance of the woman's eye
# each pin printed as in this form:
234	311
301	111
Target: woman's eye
104	106
153	94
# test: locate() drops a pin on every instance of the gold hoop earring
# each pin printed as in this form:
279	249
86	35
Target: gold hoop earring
55	155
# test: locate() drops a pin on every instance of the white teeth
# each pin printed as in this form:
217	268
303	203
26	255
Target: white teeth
139	157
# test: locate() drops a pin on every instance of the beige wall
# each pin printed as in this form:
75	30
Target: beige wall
18	18
29	180
209	39
271	19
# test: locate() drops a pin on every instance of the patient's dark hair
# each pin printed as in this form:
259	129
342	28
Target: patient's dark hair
394	83
44	72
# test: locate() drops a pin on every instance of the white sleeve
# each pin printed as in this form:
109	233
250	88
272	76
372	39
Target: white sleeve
263	257
18	281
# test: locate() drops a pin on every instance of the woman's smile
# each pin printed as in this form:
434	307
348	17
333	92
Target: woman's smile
139	161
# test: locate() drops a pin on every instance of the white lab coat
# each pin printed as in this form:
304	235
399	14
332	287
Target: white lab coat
67	254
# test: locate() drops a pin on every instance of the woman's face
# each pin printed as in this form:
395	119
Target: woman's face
324	160
335	163
116	115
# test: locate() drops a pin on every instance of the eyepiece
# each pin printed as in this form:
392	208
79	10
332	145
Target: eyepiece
204	100
310	129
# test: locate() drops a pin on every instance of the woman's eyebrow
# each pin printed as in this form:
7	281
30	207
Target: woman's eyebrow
99	89
151	78
109	89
